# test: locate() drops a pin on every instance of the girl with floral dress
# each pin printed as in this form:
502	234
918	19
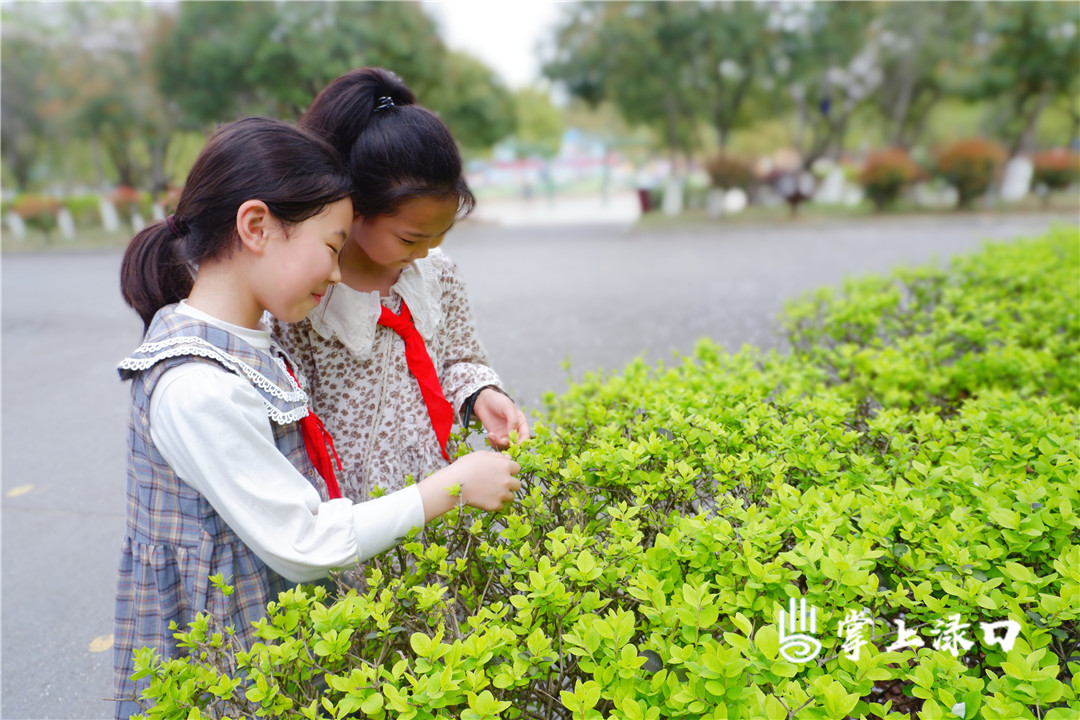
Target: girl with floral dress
392	354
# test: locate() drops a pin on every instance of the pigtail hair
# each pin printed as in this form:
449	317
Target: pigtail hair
343	111
152	273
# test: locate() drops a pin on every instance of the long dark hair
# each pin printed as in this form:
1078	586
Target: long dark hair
294	172
395	149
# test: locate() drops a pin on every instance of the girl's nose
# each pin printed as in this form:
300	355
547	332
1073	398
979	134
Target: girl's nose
335	274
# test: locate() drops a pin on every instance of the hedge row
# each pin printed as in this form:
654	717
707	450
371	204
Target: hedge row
913	458
42	212
970	167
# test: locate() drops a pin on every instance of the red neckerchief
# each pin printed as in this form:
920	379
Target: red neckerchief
317	439
420	365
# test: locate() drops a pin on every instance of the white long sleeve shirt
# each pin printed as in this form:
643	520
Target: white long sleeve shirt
211	426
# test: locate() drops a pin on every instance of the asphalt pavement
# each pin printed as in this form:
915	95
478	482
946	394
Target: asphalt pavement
596	294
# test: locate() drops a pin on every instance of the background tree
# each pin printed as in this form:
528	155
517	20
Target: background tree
104	111
539	124
88	81
21	104
314	42
127	87
202	59
637	55
114	101
1026	57
471	99
730	53
919	44
827	58
222	60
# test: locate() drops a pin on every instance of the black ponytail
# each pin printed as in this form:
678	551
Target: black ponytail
152	274
395	149
342	111
295	173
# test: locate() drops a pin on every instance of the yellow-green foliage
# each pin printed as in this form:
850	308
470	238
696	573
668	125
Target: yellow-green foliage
914	455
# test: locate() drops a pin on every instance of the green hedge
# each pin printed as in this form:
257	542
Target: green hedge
915	455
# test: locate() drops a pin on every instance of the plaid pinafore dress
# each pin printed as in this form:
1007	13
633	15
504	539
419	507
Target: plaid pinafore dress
175	540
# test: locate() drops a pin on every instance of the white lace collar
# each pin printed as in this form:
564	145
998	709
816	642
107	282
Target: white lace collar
353	316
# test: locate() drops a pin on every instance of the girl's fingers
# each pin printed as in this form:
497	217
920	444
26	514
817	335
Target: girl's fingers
522	426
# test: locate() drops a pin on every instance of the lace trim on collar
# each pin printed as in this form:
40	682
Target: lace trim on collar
353	316
181	346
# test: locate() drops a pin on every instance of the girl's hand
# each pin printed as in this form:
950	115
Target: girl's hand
500	415
483	480
489	483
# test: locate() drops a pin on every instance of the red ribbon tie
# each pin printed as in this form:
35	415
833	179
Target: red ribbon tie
420	365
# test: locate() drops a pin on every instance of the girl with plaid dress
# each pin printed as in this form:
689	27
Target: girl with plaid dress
392	354
228	470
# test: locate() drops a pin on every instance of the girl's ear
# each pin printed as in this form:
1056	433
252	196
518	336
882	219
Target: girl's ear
254	224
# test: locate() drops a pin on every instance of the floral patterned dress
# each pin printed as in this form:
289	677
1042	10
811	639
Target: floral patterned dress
360	385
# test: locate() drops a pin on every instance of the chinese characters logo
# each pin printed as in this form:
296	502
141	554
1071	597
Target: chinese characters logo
798	644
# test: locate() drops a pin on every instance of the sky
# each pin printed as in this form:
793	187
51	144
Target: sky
502	33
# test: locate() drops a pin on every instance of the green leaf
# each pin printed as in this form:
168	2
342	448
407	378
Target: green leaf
1018	572
783	668
838	702
767	640
421	644
372	703
774	710
876	674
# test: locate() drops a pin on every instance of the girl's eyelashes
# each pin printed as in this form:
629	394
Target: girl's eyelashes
407	242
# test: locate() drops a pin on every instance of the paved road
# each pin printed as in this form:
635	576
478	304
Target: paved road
598	294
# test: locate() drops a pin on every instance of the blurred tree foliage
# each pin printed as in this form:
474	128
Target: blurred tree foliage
21	105
133	84
222	60
66	78
1025	57
920	47
677	67
128	77
471	100
637	55
540	124
829	65
116	101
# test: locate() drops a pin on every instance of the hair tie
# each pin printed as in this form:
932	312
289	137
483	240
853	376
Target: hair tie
384	102
171	223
